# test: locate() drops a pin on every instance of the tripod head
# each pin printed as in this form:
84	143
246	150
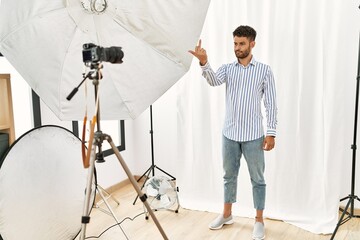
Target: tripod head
95	70
94	74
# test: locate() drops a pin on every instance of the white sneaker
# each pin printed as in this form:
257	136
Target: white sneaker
219	222
259	231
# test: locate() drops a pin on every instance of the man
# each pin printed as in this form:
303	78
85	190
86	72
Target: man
248	83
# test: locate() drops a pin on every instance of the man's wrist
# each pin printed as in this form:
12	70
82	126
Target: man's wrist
202	63
271	132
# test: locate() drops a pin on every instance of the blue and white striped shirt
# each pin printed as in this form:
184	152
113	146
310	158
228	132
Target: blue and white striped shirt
245	89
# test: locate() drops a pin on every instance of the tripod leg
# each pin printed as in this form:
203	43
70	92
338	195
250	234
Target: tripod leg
357	198
147	173
172	177
135	185
86	218
341	220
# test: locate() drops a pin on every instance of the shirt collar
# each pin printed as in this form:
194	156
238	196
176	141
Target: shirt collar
252	62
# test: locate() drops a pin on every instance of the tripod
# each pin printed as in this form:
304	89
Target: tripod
151	169
97	141
351	197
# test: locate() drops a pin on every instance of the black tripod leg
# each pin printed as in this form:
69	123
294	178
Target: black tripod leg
147	173
343	210
172	177
344	198
341	220
147	177
357	216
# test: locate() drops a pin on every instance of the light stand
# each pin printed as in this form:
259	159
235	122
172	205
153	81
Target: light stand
351	197
99	137
104	196
151	169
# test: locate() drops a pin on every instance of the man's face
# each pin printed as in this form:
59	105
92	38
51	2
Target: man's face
242	47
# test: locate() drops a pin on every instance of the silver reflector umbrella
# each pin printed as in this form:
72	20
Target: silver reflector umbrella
42	186
44	40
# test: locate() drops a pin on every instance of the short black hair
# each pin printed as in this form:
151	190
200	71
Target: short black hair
245	31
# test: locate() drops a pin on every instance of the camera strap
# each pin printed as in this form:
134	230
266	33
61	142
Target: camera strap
86	156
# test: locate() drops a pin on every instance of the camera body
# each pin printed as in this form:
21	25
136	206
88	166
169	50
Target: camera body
95	54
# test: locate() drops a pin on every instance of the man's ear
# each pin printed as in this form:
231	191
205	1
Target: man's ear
252	44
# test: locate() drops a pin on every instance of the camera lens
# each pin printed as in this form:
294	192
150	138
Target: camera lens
113	55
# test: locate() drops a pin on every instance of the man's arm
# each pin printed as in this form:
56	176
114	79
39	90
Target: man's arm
271	110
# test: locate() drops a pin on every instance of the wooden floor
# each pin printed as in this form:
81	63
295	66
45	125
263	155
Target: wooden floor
190	225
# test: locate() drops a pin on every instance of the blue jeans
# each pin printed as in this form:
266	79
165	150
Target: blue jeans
254	156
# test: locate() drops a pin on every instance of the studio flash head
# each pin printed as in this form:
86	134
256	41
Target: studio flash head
95	54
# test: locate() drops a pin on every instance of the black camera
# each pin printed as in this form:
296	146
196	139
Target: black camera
94	54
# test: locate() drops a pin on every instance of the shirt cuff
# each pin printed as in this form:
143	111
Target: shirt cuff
206	66
271	132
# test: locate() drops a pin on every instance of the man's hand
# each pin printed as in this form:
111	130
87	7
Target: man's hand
269	143
200	54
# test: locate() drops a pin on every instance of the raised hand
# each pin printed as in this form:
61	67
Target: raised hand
200	54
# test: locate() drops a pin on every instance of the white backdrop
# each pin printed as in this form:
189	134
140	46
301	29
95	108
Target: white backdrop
312	47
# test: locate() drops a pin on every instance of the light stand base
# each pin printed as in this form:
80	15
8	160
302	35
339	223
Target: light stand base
147	174
349	215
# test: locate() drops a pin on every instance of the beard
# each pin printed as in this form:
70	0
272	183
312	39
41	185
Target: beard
242	54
